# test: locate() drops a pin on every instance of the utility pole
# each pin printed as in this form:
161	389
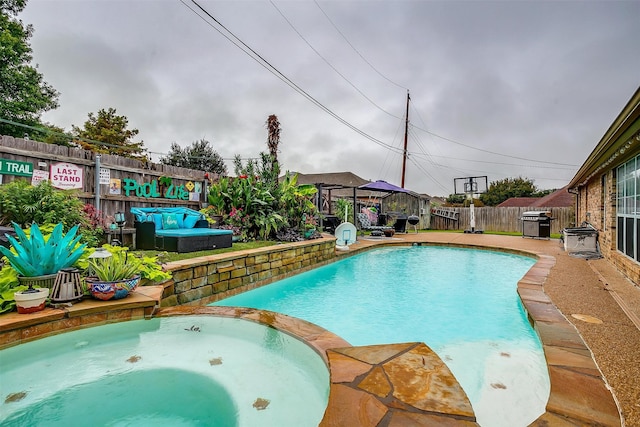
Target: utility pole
406	132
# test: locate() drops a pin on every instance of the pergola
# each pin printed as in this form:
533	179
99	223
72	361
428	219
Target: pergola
378	186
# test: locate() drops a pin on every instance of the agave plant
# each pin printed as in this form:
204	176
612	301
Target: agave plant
36	255
113	268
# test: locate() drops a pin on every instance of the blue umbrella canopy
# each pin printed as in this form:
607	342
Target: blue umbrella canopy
383	186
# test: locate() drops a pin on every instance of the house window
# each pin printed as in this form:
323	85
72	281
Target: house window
628	208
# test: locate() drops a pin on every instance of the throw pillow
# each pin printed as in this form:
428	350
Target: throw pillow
169	221
190	220
157	218
180	217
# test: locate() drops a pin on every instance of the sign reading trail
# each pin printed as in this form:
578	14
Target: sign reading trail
13	167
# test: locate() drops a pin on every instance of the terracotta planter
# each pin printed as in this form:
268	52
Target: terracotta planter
32	300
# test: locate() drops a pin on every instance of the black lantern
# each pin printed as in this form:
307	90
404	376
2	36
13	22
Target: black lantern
120	221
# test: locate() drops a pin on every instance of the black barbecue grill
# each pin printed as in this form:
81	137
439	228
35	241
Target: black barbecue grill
413	220
536	224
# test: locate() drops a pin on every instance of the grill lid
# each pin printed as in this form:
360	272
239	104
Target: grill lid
537	214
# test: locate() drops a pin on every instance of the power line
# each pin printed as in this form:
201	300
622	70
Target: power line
269	67
426	172
420	167
356	50
329	63
100	143
491	152
264	63
70	137
480	149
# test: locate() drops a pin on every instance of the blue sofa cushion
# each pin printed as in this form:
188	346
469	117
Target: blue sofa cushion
155	215
157	219
143	214
190	221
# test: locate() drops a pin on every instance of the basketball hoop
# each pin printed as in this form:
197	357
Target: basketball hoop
471	186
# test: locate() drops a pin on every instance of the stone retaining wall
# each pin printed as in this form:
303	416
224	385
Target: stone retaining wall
200	281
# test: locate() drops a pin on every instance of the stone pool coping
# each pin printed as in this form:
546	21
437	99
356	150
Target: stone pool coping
579	395
359	394
368	384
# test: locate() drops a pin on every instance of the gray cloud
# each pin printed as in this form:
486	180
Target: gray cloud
536	80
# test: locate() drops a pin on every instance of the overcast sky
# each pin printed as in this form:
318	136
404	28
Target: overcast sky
492	83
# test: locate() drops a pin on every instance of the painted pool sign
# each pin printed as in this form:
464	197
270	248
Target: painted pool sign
13	167
151	189
67	176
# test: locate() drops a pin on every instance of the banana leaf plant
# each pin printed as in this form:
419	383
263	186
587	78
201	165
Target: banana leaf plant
35	255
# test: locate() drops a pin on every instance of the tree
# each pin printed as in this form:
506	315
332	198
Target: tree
273	136
52	134
455	199
24	95
106	132
198	156
499	191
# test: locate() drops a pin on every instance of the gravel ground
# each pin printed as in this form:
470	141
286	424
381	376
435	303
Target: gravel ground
575	287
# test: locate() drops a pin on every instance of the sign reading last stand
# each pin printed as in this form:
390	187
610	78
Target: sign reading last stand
66	176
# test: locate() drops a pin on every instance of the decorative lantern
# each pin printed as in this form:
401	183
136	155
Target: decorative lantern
120	220
67	286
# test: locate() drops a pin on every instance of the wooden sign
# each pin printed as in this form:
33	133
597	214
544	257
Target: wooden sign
67	176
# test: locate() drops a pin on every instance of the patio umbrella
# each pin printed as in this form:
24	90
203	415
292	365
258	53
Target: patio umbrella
383	186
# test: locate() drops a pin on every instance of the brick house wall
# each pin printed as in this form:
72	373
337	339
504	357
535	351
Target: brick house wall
595	186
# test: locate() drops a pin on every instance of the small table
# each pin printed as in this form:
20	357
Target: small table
128	235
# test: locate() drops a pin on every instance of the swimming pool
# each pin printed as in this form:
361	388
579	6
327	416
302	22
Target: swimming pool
461	302
170	371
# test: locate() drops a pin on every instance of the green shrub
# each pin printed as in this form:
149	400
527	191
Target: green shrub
24	204
8	286
344	208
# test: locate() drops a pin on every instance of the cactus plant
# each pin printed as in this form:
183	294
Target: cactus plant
37	256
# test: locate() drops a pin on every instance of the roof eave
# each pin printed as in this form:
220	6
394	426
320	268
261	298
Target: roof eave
611	140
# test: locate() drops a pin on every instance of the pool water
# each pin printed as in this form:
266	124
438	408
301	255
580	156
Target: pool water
460	302
177	371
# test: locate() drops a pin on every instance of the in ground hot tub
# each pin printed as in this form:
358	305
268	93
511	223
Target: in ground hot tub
183	370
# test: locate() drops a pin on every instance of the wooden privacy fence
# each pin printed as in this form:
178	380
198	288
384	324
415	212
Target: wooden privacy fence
500	219
125	182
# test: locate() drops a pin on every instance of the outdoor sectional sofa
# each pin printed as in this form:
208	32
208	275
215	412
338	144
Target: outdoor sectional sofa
177	230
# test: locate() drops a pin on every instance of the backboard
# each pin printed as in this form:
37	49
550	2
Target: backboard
470	185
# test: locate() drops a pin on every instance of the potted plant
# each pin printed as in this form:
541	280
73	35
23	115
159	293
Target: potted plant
309	225
112	277
37	259
214	219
